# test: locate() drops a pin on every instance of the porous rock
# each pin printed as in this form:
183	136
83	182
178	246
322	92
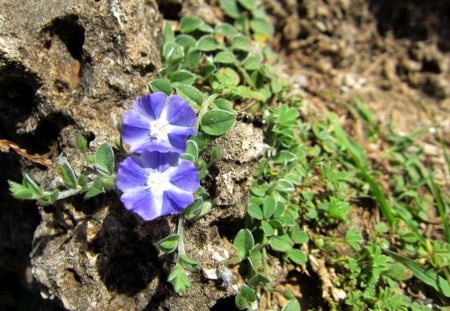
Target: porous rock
76	66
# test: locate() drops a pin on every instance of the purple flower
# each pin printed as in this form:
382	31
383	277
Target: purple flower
158	123
156	184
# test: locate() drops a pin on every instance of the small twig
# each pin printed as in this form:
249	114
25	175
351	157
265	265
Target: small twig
5	145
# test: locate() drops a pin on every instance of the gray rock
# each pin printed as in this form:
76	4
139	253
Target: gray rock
76	66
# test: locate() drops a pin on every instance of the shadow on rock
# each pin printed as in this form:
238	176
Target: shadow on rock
126	264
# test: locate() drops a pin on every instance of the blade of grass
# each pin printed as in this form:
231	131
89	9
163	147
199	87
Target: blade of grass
362	164
426	276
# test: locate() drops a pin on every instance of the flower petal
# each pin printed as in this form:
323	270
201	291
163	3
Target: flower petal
159	161
136	138
130	174
176	200
179	112
141	201
185	176
178	141
151	105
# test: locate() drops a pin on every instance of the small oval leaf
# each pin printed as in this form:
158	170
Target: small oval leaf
217	122
104	159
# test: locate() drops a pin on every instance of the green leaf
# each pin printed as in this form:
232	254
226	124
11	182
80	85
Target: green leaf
82	181
32	185
104	159
427	276
186	41
68	175
248	4
190	93
262	26
193	58
190	23
182	76
254	210
179	279
207	43
227	78
259	188
247	92
269	206
223	104
297	256
109	183
292	305
285	157
80	142
202	141
224	57
241	43
217	122
187	262
206	28
338	209
50	197
257	280
192	149
161	85
281	243
298	236
267	228
230	8
197	209
284	186
225	30
243	242
168	35
353	238
169	243
96	189
172	52
252	62
21	192
245	297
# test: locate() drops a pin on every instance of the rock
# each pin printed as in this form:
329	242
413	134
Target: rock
76	66
241	148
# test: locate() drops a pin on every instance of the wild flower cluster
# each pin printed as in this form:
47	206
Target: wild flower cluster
155	181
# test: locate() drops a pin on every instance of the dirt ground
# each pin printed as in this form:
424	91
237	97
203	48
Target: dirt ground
394	55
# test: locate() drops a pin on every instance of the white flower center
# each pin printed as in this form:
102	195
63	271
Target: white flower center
158	182
159	129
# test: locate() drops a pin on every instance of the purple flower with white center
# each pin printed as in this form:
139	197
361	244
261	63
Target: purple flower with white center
156	184
158	123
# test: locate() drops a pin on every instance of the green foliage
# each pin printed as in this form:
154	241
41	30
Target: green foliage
217	122
73	184
169	243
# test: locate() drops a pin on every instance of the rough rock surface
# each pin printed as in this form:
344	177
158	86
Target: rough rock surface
76	66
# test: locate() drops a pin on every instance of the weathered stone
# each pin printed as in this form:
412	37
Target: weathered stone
68	66
77	66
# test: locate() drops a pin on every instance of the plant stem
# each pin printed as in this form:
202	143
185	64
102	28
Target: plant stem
180	232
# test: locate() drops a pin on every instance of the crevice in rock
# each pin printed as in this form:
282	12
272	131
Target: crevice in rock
66	36
225	304
70	32
170	9
44	138
17	97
